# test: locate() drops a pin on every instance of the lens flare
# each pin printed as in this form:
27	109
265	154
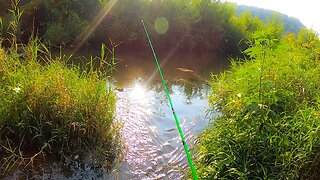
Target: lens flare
83	37
161	25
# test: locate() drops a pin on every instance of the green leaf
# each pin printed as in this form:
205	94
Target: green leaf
102	51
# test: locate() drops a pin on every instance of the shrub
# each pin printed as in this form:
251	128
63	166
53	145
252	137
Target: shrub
55	33
65	31
268	123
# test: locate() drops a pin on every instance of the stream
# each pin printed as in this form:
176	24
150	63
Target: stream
153	149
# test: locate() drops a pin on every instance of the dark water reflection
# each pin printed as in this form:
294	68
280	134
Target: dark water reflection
153	148
176	68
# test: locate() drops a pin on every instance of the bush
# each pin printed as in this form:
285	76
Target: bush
54	110
65	31
268	123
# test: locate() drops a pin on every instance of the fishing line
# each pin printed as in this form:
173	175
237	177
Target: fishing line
195	177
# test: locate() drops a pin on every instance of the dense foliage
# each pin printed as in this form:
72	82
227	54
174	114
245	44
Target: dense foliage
269	121
184	24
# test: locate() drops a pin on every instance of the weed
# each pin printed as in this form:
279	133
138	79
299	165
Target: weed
49	109
52	109
268	127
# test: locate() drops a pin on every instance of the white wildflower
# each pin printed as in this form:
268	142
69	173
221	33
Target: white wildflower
17	89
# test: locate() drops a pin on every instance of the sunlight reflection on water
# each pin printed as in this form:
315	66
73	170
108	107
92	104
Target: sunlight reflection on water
139	92
153	145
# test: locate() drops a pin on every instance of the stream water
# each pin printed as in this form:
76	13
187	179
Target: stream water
153	149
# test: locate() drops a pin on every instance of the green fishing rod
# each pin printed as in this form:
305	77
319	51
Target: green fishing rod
193	170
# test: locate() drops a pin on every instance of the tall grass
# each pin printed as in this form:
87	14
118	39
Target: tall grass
269	122
49	108
52	109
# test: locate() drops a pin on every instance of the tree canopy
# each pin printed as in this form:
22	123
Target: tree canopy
201	25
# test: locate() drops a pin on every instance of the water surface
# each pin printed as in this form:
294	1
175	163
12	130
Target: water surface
154	149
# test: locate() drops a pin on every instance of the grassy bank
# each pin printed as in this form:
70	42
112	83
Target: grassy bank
268	123
49	109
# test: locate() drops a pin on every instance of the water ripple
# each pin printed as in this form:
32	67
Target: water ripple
154	149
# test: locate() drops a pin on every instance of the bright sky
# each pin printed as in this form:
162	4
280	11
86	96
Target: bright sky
307	11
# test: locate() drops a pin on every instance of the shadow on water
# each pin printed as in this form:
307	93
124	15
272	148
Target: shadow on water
182	66
153	147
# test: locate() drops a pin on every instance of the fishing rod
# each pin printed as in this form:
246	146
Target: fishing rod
193	170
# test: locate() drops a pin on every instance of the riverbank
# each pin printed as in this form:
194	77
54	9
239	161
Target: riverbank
269	119
51	109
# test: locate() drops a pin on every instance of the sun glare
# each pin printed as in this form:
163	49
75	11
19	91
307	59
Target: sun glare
138	92
83	37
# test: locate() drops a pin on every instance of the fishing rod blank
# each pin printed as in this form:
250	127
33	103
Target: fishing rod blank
171	105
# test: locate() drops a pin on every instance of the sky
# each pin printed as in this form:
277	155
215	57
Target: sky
307	11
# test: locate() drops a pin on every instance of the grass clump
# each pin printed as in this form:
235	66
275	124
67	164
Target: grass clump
268	125
47	108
